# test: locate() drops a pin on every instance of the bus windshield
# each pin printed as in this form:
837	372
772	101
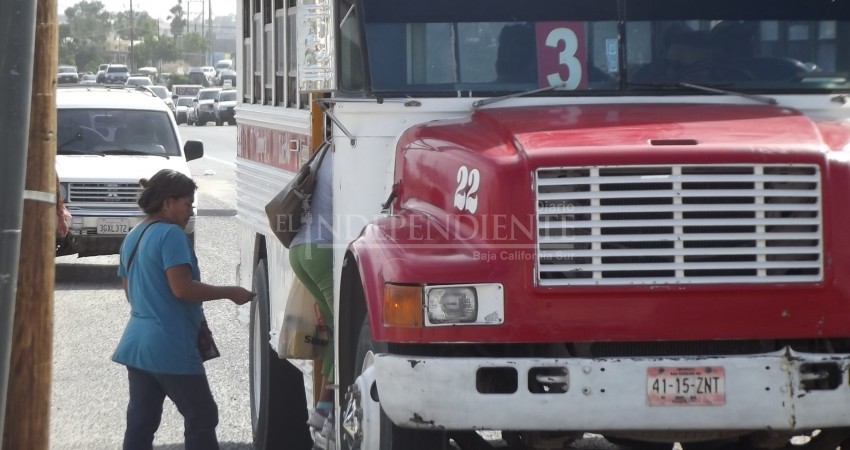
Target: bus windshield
456	46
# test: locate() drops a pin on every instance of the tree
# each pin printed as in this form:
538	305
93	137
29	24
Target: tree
178	22
195	43
156	48
142	26
82	39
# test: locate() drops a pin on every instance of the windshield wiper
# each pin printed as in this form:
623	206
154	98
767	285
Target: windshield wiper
77	152
479	103
714	90
127	151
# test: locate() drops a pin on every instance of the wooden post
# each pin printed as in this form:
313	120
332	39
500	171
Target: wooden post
27	424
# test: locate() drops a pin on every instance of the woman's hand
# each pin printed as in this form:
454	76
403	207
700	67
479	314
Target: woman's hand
240	295
185	288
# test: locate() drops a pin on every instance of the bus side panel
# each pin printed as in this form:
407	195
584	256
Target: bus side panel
266	161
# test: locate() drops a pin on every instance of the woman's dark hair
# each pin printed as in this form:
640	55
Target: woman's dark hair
164	184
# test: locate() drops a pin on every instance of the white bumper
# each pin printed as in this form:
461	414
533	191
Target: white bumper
761	392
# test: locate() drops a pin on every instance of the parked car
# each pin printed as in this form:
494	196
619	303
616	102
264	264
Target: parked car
224	107
139	81
226	75
184	105
88	78
67	74
150	72
191	118
204	105
196	75
117	73
130	131
101	73
210	72
162	92
223	64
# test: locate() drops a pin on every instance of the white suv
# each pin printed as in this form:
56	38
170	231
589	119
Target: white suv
117	73
108	138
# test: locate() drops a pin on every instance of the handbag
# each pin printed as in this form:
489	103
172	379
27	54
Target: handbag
286	211
206	344
304	334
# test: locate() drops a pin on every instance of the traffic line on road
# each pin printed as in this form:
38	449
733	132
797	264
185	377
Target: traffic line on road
231	164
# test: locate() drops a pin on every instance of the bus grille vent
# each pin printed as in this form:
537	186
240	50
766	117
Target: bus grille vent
651	225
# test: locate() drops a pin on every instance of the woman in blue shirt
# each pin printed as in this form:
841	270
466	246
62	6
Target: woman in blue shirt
159	272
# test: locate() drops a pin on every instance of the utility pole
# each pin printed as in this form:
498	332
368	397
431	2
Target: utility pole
197	57
209	35
17	43
132	38
203	26
28	397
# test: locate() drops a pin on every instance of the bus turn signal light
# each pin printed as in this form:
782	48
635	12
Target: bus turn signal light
403	306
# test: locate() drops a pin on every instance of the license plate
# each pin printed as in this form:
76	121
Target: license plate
669	386
113	226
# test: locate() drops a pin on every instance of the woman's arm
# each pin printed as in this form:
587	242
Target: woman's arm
185	288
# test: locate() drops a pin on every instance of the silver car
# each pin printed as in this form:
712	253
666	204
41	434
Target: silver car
88	78
184	109
67	74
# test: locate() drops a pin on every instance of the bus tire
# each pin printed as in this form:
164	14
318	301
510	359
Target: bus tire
393	437
278	398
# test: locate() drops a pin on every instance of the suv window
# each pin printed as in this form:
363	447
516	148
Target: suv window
228	96
113	69
115	131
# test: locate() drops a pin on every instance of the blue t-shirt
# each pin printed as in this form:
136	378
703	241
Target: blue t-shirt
162	333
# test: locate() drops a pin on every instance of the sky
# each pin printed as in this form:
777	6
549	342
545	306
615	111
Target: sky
159	8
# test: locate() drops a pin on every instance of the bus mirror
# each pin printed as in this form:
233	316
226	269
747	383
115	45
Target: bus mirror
316	45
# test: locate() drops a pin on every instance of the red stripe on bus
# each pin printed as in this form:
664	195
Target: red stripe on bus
272	147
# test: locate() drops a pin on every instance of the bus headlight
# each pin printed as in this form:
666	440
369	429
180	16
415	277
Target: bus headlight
475	304
452	305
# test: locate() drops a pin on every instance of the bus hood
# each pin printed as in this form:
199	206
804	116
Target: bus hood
546	130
